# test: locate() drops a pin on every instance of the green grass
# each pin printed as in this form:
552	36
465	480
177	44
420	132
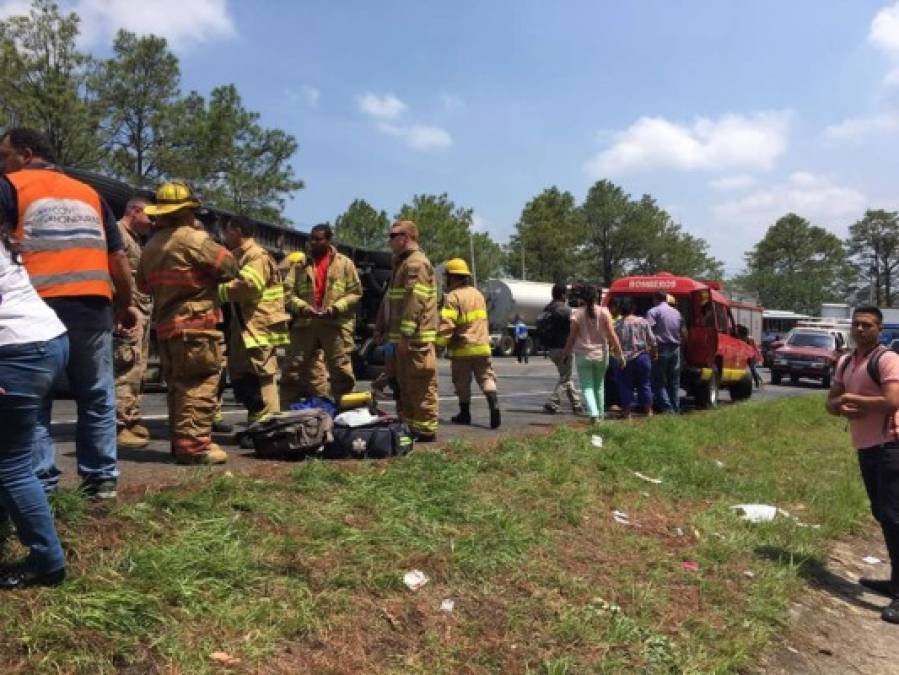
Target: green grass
304	573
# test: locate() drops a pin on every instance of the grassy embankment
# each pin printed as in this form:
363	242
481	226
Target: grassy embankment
303	572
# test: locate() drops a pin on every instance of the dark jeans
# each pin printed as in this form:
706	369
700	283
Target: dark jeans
880	471
521	350
666	379
27	373
635	375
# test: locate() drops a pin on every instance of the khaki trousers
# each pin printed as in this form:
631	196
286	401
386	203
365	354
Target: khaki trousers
191	365
416	374
131	354
463	368
313	348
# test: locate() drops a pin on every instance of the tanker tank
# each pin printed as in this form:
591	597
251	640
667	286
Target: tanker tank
507	298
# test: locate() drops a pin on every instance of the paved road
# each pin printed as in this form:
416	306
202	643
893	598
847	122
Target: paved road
523	390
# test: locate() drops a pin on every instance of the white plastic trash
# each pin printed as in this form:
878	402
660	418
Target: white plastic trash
759	513
596	441
415	579
648	479
621	517
448	605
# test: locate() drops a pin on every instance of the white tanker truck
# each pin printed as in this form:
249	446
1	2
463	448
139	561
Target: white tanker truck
507	298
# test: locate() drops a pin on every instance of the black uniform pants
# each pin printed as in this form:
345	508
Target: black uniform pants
880	471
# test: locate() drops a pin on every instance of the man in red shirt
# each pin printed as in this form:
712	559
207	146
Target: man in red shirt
322	293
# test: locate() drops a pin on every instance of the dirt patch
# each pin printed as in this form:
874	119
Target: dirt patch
835	626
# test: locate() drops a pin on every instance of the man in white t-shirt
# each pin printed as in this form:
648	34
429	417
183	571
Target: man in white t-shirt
866	391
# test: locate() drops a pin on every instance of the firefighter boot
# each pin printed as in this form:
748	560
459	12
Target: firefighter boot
126	438
464	416
493	402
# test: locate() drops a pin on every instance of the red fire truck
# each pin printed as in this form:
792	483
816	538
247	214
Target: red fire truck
713	356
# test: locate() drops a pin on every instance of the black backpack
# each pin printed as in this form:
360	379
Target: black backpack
873	364
551	329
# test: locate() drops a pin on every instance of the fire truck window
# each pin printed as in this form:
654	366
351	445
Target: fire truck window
708	315
721	312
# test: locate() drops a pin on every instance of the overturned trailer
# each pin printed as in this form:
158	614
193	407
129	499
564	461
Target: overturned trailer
373	266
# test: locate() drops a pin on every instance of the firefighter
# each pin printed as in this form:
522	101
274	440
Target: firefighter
318	378
182	268
322	294
412	330
258	321
465	333
131	349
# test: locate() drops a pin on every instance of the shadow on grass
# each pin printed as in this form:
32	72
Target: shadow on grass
815	572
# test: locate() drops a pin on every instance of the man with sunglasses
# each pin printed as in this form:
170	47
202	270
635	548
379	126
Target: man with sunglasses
410	310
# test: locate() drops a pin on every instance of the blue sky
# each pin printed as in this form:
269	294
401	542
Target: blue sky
730	114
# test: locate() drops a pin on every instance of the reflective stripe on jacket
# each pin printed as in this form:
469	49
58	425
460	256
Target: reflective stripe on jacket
60	232
257	297
464	328
412	299
343	290
182	267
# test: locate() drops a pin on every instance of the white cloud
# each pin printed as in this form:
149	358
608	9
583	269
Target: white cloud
731	141
419	136
738	182
184	23
387	106
857	127
305	94
885	29
816	198
480	224
10	8
451	101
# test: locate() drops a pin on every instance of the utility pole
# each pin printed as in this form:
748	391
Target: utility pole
474	268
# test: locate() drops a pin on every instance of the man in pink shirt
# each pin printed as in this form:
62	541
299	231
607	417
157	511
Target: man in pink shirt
871	408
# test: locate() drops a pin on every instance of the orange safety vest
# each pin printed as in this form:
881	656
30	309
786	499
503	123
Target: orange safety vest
61	235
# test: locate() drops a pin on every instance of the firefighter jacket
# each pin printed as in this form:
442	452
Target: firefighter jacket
182	267
257	297
412	299
60	232
464	328
133	251
343	290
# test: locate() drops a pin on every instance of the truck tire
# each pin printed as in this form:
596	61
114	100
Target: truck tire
775	377
742	390
707	392
506	346
826	378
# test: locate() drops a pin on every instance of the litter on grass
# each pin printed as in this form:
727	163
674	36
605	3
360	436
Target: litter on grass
719	463
871	560
648	479
691	565
415	579
765	513
224	658
596	441
448	605
621	517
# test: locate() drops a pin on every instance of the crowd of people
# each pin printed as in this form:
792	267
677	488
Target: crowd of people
80	292
623	361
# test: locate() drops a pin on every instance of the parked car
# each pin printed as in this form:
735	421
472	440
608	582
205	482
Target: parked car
807	352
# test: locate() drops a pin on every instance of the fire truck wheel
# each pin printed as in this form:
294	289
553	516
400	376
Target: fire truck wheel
707	392
742	390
